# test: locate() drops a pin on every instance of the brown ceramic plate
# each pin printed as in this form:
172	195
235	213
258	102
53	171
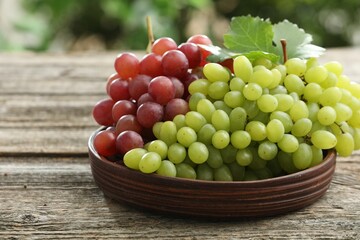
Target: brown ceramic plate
199	198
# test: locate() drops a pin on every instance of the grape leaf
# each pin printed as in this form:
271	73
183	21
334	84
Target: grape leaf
298	43
249	34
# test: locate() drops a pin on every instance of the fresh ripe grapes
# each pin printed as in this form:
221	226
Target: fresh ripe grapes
150	65
128	140
174	114
162	90
128	122
127	65
163	45
104	143
102	112
138	86
192	53
119	90
175	64
149	113
121	108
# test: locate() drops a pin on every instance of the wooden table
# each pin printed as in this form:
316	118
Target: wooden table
46	187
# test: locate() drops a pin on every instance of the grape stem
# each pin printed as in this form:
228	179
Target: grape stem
283	45
150	34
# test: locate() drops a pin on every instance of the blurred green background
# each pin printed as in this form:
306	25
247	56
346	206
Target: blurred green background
93	25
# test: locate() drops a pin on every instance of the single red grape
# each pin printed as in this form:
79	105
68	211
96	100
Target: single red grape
161	89
110	79
102	112
151	65
175	64
149	113
175	107
200	39
138	86
127	65
122	108
192	53
119	90
228	63
162	45
146	97
128	140
128	122
104	143
179	87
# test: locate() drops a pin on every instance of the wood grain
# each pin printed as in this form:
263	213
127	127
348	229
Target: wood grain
61	201
46	187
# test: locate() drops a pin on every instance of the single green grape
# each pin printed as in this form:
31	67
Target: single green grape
176	153
220	120
323	139
204	172
198	152
288	143
150	162
215	159
186	136
302	157
206	133
199	86
132	158
216	72
257	130
295	66
184	170
194	120
234	99
167	169
345	144
206	108
252	91
243	68
267	103
220	139
168	132
217	90
267	150
158	146
275	130
222	173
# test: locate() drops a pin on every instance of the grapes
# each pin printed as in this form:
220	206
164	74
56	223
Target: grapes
122	108
127	65
128	140
198	152
175	64
133	157
192	53
150	65
149	113
104	143
161	89
323	139
174	114
119	90
102	112
162	45
215	72
150	162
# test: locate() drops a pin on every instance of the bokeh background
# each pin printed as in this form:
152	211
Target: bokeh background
98	25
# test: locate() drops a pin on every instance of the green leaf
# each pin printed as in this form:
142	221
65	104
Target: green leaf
249	34
298	43
252	56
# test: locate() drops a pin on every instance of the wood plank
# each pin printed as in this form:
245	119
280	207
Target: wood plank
61	201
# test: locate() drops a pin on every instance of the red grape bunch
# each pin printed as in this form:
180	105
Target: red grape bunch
143	92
